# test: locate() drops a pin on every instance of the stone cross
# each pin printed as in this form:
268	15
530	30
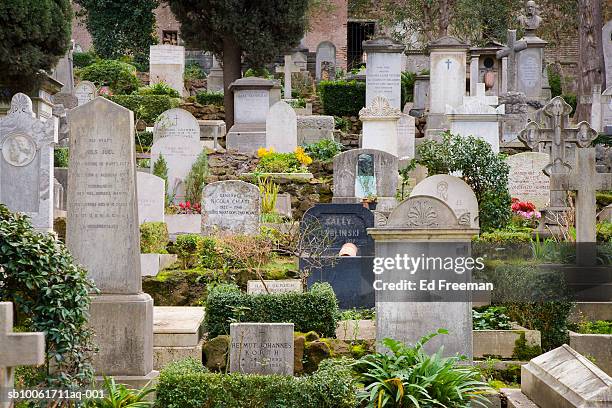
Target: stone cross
511	51
557	136
481	96
288	68
585	181
16	349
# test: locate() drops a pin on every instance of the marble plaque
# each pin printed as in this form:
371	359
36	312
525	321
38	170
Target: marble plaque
230	207
383	77
262	348
255	287
151	202
251	105
526	181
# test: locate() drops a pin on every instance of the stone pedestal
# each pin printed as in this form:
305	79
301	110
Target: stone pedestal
214	80
380	126
167	64
529	69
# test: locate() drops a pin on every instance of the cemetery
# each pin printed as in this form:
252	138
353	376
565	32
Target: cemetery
323	203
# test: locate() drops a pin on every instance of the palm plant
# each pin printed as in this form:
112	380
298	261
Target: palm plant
119	396
407	376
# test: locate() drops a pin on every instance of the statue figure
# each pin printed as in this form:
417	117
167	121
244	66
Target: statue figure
531	20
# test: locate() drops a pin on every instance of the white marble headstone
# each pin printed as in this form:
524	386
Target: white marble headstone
26	162
85	91
176	122
526	181
151	203
167	64
281	128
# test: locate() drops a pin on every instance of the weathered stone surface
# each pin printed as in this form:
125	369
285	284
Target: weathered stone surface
162	356
216	352
167	64
526	179
281	128
230	207
326	61
380	166
447	73
17	349
255	287
151	197
26	162
405	136
455	193
262	348
564	378
85	91
313	128
595	346
502	343
177	123
383	71
380	130
606	39
177	326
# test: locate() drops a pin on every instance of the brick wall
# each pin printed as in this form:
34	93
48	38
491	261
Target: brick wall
330	25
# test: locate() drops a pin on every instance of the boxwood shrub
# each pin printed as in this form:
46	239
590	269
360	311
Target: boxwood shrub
146	107
210	98
153	238
315	310
186	384
342	98
120	76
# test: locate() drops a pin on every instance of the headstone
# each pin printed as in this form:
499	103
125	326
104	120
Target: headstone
256	287
380	125
424	227
383	70
251	105
564	378
343	223
586	181
606	40
26	163
557	137
151	197
176	137
477	118
167	64
262	348
405	136
421	92
326	61
446	80
359	173
281	128
313	128
350	277
16	349
85	91
230	207
102	235
529	71
455	193
214	80
283	204
64	73
526	178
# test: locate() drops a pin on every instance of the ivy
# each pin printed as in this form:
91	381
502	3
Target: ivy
51	295
121	28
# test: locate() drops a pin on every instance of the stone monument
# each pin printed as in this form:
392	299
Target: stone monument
102	235
383	70
281	128
606	40
26	162
85	91
262	348
526	179
167	64
325	61
380	119
151	197
232	207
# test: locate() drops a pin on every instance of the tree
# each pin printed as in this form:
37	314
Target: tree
120	27
257	30
34	34
590	58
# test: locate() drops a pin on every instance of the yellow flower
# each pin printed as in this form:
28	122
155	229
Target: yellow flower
302	157
262	151
299	150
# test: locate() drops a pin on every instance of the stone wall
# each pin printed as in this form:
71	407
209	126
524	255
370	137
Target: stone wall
204	112
304	193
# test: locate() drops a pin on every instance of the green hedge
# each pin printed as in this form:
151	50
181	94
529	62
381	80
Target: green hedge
120	76
186	384
83	59
146	107
315	310
210	98
153	238
503	237
61	156
342	98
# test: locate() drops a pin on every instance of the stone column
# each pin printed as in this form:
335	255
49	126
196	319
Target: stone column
380	121
102	234
419	228
504	79
384	70
473	74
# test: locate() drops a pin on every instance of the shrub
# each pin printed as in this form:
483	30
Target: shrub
187	384
153	238
342	124
483	170
160	169
209	98
60	157
146	107
119	76
571	100
160	88
408	376
342	98
503	237
323	150
554	80
144	140
604	198
193	71
315	310
51	294
186	248
597	327
84	59
196	179
491	318
272	162
604	231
